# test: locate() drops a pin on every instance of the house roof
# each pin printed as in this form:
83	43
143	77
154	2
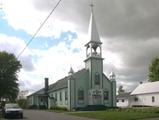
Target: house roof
149	87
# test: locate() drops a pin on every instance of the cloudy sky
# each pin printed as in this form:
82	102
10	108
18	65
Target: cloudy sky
129	30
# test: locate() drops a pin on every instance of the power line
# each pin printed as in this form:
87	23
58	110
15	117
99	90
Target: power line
41	25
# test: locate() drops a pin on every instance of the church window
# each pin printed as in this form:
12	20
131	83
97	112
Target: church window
97	79
66	95
106	95
60	96
153	99
80	94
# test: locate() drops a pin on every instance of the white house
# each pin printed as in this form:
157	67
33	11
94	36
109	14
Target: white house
123	100
146	94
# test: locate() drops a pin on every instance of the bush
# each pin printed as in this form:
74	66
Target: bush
33	107
23	103
58	108
42	107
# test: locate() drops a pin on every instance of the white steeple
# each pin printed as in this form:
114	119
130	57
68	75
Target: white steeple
93	47
92	31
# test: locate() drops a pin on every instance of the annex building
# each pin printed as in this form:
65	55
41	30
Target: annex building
146	94
87	87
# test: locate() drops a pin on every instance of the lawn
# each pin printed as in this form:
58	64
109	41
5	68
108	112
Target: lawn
121	114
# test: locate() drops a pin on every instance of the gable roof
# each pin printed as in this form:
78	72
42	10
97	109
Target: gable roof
60	84
149	87
63	83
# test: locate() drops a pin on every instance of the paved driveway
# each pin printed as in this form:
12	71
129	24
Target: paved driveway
44	115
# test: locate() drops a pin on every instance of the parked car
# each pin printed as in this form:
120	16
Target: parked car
12	110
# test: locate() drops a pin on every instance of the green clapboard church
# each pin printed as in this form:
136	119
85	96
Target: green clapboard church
87	87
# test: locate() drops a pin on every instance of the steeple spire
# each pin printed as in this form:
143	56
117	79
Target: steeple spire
92	31
94	46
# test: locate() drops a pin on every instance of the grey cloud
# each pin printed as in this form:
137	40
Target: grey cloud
122	18
134	53
132	27
136	56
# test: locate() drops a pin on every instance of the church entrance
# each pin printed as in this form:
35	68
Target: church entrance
97	99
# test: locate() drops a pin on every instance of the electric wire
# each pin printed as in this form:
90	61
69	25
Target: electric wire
41	25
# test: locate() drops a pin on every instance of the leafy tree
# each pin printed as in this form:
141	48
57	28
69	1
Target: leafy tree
9	67
154	70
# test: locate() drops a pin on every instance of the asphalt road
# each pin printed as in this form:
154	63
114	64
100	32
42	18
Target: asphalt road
44	115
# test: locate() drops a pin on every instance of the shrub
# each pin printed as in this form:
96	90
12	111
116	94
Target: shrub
58	108
23	103
33	107
42	107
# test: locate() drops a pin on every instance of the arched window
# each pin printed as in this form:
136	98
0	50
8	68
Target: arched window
97	79
80	94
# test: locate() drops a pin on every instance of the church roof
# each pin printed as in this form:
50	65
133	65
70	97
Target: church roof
60	84
149	87
63	83
92	31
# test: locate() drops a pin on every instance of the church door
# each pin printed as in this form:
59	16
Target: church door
97	100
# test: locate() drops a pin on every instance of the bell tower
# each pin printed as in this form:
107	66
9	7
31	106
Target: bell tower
94	63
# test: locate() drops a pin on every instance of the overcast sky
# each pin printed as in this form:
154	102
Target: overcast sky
129	30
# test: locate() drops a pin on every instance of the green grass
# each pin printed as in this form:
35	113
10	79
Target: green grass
118	114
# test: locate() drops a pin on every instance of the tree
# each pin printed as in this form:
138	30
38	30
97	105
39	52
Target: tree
9	67
154	70
121	91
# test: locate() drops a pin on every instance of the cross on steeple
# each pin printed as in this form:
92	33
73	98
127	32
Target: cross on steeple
91	5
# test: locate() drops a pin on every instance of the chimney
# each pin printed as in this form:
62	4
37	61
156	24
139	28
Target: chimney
46	85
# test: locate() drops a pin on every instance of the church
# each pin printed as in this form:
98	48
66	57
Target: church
87	87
